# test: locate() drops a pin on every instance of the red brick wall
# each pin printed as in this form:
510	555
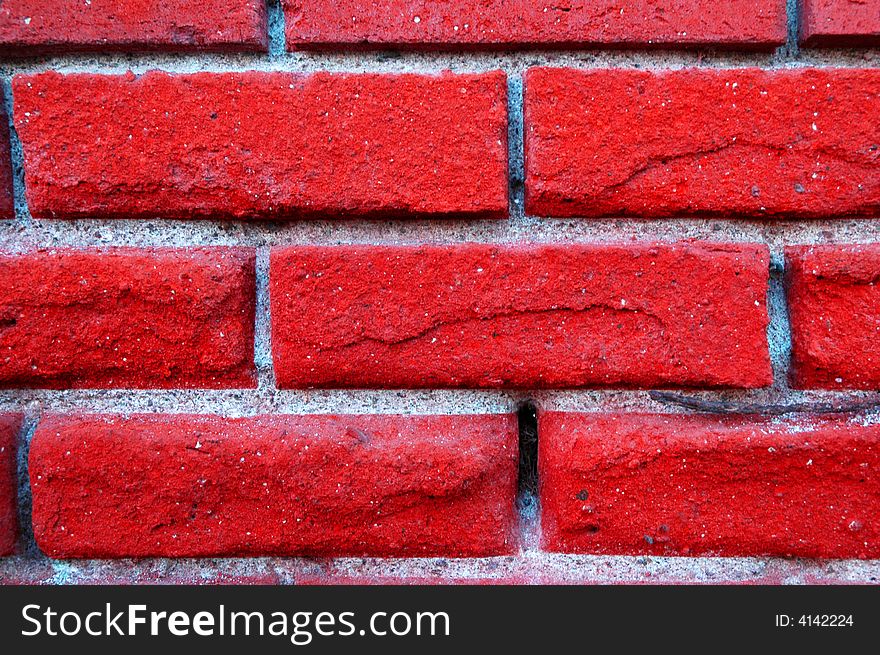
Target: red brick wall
464	291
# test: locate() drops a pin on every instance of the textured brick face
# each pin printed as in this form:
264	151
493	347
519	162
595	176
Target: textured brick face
263	144
702	142
834	307
689	485
840	23
311	485
520	316
7	202
28	26
9	427
127	318
530	23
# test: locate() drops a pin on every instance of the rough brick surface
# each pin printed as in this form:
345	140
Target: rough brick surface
7	201
9	427
127	318
263	144
840	23
689	485
39	26
834	308
743	142
310	485
520	316
530	23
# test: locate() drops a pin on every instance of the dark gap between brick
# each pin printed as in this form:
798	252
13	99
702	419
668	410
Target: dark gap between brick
527	487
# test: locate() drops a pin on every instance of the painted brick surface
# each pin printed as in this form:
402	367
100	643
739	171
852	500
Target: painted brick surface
108	486
156	318
834	308
263	144
747	142
520	316
7	202
39	26
840	23
9	427
530	23
702	485
275	275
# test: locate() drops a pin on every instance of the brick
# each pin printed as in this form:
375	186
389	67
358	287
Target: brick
747	142
7	201
834	309
157	318
10	424
847	23
519	316
53	26
263	144
180	486
642	484
529	23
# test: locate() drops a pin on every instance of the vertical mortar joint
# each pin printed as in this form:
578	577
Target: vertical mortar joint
276	26
779	327
22	212
515	148
527	485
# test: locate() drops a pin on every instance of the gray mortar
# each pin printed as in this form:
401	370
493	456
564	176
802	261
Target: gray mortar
791	49
277	38
531	564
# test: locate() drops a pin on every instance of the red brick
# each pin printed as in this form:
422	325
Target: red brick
840	23
641	484
40	26
127	318
834	307
702	142
7	202
529	23
520	316
10	424
263	144
179	486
